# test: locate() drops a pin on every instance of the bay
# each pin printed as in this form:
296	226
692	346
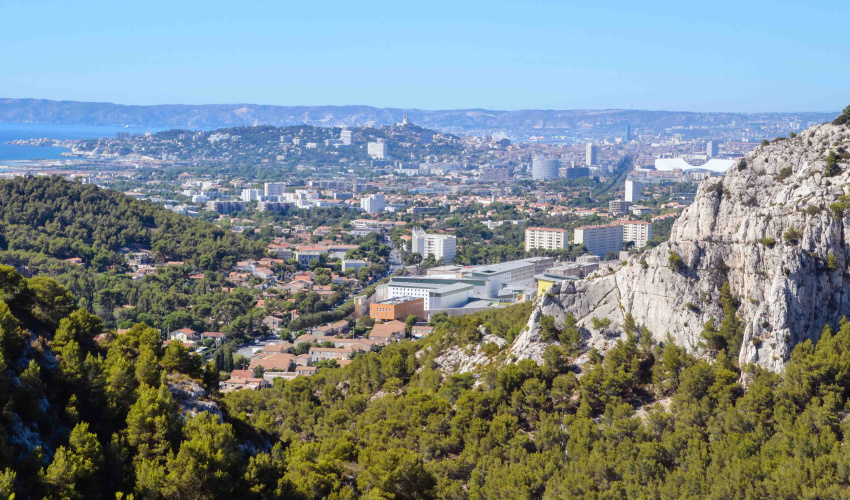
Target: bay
14	131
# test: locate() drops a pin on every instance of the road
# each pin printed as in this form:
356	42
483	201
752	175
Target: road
395	257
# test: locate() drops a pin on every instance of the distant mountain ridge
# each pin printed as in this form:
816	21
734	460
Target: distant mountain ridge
210	116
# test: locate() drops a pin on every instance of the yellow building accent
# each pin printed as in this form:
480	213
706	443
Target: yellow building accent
543	286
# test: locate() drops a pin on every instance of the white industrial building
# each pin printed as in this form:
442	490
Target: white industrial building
437	294
714	165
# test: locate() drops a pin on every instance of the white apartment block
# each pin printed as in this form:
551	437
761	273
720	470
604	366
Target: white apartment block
590	155
274	189
377	150
373	204
251	195
600	240
441	246
346	137
545	238
637	231
633	190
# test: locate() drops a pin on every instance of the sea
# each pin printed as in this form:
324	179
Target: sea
11	154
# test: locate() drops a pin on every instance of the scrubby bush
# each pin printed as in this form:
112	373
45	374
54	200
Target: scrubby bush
792	236
843	118
784	173
831	262
600	323
675	262
832	169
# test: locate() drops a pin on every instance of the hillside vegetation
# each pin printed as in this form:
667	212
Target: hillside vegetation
87	419
56	218
48	220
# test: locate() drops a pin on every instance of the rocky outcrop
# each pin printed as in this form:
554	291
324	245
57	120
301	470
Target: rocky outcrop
191	397
766	227
457	359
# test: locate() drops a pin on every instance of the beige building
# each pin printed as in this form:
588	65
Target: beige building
546	238
600	240
637	231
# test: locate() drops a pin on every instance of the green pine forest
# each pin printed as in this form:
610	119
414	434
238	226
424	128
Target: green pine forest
124	417
86	415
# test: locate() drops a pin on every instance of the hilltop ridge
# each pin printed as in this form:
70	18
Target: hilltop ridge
515	123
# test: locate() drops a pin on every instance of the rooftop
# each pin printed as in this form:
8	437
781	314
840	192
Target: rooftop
398	300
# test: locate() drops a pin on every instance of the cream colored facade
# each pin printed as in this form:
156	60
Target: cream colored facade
600	240
637	231
545	238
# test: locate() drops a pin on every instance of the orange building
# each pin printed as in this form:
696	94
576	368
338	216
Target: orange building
398	308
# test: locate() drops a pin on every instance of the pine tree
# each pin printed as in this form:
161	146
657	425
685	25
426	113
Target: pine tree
74	471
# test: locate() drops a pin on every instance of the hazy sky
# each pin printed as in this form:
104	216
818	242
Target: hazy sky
701	56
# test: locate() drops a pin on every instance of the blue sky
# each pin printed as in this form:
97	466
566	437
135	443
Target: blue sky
698	56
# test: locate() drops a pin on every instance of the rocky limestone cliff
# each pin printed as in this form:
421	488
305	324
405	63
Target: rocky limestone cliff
786	290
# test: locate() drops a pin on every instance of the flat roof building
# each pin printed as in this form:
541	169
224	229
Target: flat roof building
599	240
398	308
441	246
590	155
544	168
546	238
637	231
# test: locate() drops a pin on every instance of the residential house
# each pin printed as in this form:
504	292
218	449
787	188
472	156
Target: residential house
323	353
278	361
183	335
384	333
306	370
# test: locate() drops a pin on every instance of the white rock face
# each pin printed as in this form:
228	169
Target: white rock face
467	359
786	292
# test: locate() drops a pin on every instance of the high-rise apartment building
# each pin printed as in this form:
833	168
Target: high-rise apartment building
619	207
274	189
345	137
441	246
546	238
373	204
633	190
590	155
377	150
600	240
574	172
638	231
712	149
251	195
544	168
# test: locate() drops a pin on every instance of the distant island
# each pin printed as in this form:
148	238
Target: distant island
569	125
